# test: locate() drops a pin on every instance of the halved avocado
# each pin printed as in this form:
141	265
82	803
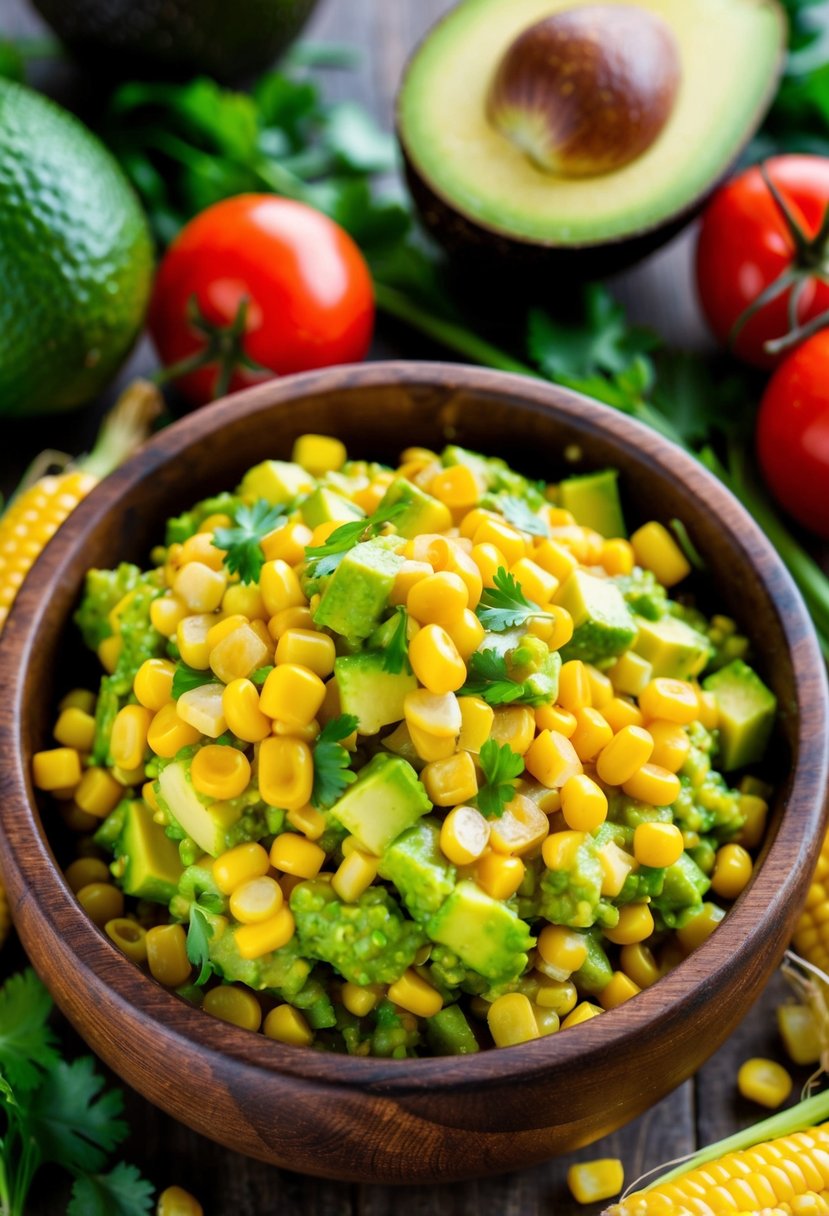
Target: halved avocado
474	169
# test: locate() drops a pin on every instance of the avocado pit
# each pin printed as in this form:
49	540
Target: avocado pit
586	90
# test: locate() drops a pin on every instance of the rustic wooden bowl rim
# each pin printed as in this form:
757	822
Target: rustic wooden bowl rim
181	1026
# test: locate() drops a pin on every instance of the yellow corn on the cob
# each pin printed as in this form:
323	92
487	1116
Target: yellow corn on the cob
37	511
789	1175
5	914
811	936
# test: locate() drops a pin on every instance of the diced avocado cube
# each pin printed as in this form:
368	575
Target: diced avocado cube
358	591
603	624
207	823
284	970
450	1034
416	866
484	932
152	867
595	973
374	696
746	713
423	513
594	501
684	886
326	505
277	481
386	798
673	648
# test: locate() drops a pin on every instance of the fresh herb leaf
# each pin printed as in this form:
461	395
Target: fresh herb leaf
603	343
121	1192
683	539
198	950
242	542
261	674
74	1122
396	653
501	766
27	1045
332	774
185	679
488	677
324	559
357	142
505	606
521	516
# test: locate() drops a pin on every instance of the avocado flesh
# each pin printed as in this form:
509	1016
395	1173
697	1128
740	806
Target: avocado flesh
729	50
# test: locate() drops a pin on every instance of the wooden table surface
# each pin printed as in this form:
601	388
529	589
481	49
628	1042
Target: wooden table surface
659	292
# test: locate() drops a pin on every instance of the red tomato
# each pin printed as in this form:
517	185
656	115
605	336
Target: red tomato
793	434
746	244
291	279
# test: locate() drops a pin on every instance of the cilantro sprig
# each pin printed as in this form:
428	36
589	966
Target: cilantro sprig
243	542
505	605
199	934
332	775
488	677
185	679
501	767
395	652
324	559
53	1111
521	515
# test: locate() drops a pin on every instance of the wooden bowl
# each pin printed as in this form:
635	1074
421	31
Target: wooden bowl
424	1120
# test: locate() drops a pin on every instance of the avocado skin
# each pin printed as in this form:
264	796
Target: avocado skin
177	37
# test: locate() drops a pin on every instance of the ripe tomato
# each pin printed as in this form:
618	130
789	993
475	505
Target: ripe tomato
258	286
746	244
793	434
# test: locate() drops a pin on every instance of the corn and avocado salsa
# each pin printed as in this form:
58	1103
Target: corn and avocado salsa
409	761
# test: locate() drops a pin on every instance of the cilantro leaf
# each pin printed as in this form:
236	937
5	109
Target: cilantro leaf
187	678
395	653
199	934
505	606
331	760
501	766
72	1121
521	516
603	343
489	678
324	559
27	1045
244	554
121	1192
261	674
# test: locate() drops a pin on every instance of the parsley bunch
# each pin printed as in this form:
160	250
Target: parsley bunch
57	1112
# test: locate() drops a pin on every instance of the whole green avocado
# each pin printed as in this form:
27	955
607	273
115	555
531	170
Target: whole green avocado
177	37
76	258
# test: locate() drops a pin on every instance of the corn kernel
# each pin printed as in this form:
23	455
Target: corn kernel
437	714
200	588
59	768
754	811
109	652
511	1020
285	772
354	875
700	927
656	550
538	585
489	559
287	1025
407	577
153	684
592	733
191	639
238	653
298	617
435	660
244	600
764	1081
574	686
240	864
167	955
451	781
558	995
654	785
98	792
671	744
256	900
624	754
293	854
75	728
617	557
166	611
415	994
520	828
583	803
466	632
552	759
202	709
101	901
732	871
238	1006
499	874
562	949
555	559
583	1012
630	674
220	772
593	1181
175	1201
279	587
128	740
504	537
620	989
307	820
457	487
78	698
319	454
240	703
168	733
84	870
616	865
307	648
620	712
657	844
514	726
560	849
293	694
708	711
464	835
473	519
476	723
799	1031
254	940
428	747
360	1001
635	925
670	701
554	718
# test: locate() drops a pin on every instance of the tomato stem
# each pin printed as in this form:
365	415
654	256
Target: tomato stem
223	345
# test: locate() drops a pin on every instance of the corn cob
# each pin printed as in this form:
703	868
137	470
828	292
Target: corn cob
38	509
811	936
779	1167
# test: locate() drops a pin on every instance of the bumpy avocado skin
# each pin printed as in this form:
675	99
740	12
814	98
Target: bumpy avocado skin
178	37
76	258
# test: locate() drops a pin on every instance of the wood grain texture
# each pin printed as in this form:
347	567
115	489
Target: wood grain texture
424	1120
